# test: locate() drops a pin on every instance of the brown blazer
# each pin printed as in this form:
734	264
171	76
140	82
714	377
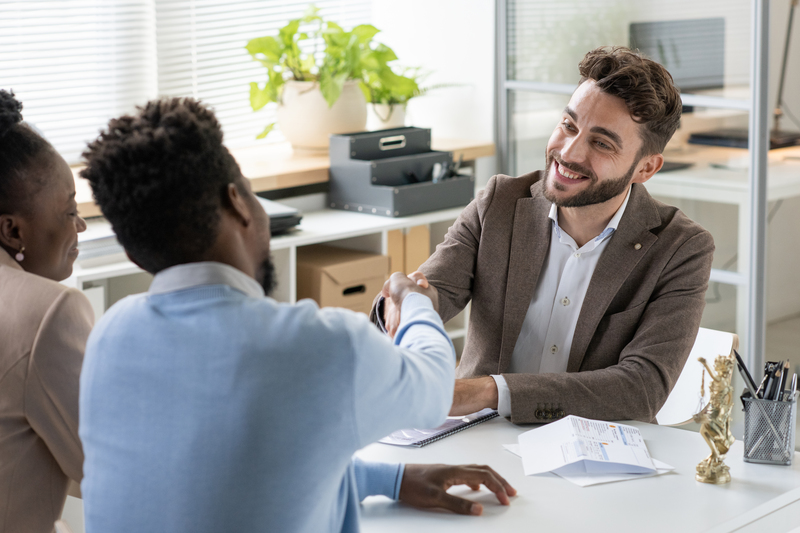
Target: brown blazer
43	330
638	322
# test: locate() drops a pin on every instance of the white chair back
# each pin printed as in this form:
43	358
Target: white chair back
684	400
62	527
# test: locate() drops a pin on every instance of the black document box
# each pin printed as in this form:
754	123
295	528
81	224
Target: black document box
389	173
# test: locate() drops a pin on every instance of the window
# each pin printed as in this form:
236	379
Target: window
75	64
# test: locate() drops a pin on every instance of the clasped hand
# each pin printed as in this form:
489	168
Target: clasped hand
394	291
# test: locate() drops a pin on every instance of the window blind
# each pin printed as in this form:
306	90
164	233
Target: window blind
76	63
201	53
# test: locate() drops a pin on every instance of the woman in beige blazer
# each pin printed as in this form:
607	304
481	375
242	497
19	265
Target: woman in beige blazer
43	328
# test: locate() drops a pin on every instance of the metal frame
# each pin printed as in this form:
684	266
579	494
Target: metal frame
758	146
752	278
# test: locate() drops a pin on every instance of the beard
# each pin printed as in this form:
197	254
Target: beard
596	193
266	276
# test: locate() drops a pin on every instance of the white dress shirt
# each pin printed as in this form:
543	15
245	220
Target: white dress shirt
545	339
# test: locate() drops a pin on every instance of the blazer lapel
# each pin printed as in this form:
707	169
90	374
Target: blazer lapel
615	265
530	243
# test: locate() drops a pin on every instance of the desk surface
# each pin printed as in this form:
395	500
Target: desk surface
670	502
722	175
276	166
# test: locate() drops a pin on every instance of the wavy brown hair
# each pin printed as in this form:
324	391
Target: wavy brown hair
646	87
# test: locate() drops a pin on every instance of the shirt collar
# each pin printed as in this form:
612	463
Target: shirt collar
191	275
611	227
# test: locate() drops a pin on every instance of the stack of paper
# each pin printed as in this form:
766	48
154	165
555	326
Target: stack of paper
587	452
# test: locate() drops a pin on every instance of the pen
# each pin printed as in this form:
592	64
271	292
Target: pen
748	379
782	385
771	370
775	384
794	387
760	390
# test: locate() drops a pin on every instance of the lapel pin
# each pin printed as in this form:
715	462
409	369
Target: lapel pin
637	246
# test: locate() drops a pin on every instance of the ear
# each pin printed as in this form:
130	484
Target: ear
236	204
647	167
9	232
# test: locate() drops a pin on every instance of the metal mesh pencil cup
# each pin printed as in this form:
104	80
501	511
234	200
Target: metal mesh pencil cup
769	430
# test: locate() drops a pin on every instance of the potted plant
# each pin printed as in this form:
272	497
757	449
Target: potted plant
387	92
317	94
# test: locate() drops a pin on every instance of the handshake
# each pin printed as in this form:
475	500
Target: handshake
394	291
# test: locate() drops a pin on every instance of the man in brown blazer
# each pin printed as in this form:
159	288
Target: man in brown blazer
586	292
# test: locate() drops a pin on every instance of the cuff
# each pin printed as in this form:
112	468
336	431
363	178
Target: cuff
503	396
378	479
418	309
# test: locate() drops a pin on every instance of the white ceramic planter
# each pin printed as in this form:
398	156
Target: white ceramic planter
383	116
306	120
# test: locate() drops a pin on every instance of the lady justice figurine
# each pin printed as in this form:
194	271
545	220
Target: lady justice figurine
716	422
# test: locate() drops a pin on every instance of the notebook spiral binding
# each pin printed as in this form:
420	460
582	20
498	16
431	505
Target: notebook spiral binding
454	430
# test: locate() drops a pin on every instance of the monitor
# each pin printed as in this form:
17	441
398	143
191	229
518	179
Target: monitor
692	50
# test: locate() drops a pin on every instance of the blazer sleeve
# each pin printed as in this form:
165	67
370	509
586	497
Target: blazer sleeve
649	365
51	391
451	268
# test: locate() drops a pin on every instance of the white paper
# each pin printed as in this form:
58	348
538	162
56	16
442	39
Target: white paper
576	446
585	480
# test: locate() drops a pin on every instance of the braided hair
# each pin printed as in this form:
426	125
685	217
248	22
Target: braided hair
20	146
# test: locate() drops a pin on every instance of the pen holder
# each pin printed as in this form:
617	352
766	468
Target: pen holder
769	430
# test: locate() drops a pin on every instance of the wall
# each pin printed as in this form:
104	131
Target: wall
455	40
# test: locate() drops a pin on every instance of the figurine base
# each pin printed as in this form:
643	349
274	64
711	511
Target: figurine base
713	471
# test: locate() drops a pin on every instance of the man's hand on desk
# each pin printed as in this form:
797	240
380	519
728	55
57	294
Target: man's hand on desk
396	288
472	395
426	486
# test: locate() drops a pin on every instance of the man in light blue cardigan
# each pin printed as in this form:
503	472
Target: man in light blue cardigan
206	406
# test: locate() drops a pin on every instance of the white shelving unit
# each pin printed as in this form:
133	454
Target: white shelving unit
106	283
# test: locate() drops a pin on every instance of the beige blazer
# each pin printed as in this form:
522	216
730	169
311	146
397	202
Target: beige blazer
638	322
43	330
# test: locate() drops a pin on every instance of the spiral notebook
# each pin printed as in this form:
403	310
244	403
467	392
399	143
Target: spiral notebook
420	437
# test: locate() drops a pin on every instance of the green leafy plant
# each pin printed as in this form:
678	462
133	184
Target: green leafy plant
347	55
382	85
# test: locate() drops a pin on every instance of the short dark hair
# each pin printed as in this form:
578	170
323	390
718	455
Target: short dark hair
160	177
20	147
646	87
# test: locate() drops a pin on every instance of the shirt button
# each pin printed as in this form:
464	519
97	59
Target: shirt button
565	301
553	349
578	254
637	246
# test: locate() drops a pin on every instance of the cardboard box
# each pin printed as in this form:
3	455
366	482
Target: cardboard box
336	277
408	248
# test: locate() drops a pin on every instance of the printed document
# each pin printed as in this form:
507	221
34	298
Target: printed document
586	480
576	445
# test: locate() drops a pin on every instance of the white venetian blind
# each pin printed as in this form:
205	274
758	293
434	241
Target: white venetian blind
74	64
201	52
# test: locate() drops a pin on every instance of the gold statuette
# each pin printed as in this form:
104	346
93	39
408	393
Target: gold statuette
716	422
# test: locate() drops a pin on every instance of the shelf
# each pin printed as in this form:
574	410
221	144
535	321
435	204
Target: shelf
733	97
276	166
316	227
721	175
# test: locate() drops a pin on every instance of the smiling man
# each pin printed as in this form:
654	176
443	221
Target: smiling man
586	292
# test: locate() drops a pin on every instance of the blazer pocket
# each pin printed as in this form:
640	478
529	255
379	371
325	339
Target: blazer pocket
622	325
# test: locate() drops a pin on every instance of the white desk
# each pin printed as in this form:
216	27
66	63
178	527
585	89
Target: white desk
759	498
